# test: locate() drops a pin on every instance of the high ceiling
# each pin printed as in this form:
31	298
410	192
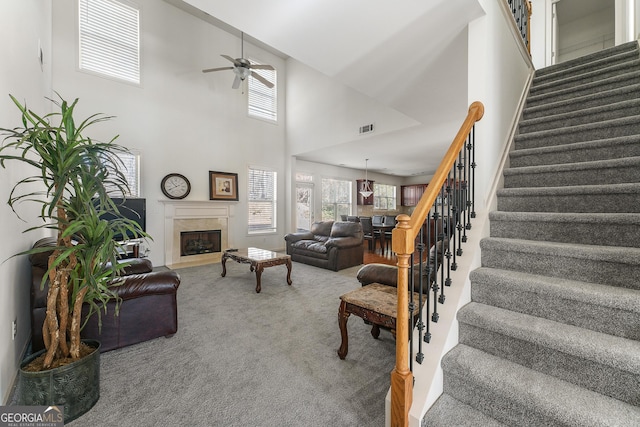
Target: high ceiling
409	56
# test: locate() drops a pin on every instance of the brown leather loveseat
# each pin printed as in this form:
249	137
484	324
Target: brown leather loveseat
148	308
329	244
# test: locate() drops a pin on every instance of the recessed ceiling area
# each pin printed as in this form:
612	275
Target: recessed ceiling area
400	66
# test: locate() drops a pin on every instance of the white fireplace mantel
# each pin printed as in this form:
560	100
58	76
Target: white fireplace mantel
181	215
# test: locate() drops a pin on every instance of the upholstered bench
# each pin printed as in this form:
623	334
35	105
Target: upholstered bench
376	304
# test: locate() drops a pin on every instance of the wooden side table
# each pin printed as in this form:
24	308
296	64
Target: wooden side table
374	303
259	259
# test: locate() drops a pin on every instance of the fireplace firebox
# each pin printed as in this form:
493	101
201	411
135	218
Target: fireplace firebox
200	242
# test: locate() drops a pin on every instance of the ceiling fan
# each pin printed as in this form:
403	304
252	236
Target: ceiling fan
242	68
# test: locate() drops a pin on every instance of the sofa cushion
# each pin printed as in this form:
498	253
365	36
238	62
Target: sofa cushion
346	229
310	245
322	228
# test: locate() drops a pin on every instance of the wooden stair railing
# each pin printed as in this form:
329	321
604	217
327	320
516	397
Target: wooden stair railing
403	243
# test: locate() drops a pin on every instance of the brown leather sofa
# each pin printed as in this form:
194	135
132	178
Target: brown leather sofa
332	245
148	308
388	274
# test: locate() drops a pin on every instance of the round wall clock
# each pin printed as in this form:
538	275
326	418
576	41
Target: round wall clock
175	186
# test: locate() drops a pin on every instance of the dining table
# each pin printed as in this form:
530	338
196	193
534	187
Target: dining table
382	228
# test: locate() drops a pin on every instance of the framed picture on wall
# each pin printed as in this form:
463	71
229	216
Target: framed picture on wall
223	186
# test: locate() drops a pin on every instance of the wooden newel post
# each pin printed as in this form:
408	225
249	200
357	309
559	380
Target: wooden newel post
401	376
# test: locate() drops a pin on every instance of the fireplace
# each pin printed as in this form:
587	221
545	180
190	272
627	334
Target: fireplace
200	242
194	219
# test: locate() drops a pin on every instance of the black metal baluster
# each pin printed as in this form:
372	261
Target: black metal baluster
420	323
434	286
456	216
427	335
459	226
469	146
411	307
473	171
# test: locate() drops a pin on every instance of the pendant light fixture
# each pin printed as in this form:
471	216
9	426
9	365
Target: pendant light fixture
366	188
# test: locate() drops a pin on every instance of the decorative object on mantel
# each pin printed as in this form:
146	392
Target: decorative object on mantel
223	186
366	188
175	186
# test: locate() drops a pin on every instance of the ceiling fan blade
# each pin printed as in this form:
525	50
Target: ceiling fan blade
262	67
261	79
236	82
230	59
208	70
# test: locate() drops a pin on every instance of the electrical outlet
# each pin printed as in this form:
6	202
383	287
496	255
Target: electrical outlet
14	329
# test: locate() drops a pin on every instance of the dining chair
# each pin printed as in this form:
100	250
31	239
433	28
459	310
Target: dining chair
370	235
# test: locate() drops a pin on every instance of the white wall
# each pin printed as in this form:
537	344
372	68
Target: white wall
23	26
587	35
180	119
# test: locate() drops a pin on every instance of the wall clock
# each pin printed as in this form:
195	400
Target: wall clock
175	186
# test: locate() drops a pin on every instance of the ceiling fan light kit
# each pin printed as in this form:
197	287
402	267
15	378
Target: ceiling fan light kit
243	68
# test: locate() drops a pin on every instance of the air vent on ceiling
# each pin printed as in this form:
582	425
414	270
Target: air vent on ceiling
366	129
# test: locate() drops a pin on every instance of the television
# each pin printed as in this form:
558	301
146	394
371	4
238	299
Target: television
131	208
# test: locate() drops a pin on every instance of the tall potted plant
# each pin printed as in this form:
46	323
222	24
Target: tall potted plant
76	176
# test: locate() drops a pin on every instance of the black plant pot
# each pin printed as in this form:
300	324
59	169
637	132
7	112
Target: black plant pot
75	386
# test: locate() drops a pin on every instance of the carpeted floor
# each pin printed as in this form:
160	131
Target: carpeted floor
241	358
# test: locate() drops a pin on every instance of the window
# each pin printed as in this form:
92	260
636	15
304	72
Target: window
110	39
336	199
384	197
262	201
131	169
129	165
263	102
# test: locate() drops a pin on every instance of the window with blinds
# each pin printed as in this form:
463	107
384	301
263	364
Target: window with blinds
262	201
129	165
263	102
336	199
384	196
110	39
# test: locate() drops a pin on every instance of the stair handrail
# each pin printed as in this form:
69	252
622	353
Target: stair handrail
403	244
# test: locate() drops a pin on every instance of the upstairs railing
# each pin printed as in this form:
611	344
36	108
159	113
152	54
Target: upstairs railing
521	10
440	221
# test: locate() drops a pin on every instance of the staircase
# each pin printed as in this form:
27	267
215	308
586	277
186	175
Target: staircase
552	335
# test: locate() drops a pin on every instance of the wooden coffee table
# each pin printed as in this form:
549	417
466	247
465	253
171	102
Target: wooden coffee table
259	259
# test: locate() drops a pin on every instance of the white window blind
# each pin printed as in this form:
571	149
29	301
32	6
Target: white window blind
384	196
263	102
129	165
262	201
131	169
336	199
110	39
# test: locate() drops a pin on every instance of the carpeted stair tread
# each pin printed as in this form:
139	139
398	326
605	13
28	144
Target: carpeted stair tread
590	88
610	265
592	228
582	102
578	198
613	171
519	396
591	60
629	107
573	78
607	309
579	133
607	350
448	412
601	149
